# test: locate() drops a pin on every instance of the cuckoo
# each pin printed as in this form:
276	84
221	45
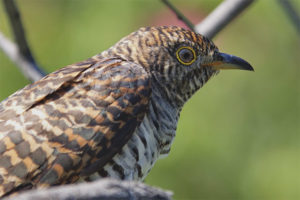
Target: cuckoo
112	115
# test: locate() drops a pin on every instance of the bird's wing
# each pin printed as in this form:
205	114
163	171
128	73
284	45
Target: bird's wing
24	98
74	120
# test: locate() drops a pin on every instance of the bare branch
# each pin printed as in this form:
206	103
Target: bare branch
291	12
12	51
221	16
107	189
22	46
179	15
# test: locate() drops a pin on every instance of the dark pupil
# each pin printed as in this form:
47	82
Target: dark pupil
186	55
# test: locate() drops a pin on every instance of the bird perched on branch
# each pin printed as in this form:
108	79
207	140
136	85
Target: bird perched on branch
112	115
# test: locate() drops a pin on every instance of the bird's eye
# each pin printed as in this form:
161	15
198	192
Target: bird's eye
186	55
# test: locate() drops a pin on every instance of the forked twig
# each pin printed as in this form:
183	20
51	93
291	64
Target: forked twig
20	53
217	19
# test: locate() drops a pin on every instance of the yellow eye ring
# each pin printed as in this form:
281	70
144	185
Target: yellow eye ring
186	55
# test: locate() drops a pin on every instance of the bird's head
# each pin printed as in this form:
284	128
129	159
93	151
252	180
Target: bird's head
180	61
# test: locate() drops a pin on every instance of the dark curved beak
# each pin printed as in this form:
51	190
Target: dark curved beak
226	61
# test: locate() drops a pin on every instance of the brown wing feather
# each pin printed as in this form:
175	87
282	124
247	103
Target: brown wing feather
75	125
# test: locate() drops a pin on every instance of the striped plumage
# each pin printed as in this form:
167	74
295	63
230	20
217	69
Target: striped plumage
111	115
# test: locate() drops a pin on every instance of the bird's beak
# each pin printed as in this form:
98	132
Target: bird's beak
225	61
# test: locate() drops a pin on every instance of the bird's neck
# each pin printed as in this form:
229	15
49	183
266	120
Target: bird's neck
164	116
166	93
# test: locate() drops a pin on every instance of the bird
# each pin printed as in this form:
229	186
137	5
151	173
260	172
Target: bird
112	115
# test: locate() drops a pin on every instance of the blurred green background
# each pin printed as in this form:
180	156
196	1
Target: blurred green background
239	136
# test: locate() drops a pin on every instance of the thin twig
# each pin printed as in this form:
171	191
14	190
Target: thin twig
20	38
17	27
221	16
291	12
12	51
179	15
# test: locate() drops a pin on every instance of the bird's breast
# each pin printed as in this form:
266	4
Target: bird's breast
151	140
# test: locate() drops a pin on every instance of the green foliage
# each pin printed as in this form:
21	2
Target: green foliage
238	137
